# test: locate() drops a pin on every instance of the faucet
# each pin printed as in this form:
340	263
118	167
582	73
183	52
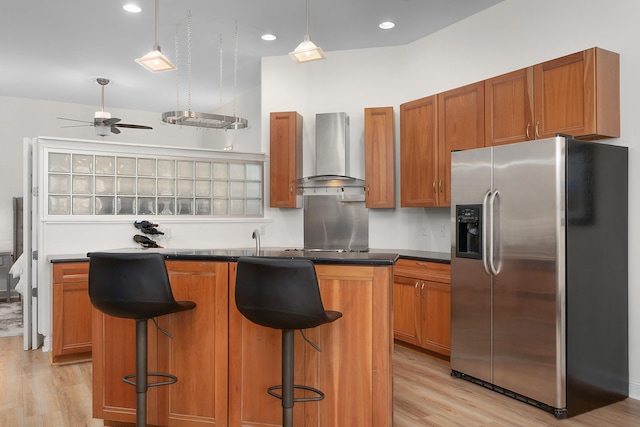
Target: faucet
256	235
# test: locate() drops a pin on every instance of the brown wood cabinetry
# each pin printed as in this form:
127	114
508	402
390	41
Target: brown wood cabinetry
197	354
460	127
380	157
577	94
509	108
285	136
353	370
418	152
422	304
430	128
71	312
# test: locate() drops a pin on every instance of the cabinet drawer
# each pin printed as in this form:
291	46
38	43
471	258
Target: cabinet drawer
70	272
433	271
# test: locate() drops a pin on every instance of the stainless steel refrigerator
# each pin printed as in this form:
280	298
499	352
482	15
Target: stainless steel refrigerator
539	272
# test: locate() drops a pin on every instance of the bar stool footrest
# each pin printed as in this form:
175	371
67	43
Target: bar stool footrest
320	395
172	379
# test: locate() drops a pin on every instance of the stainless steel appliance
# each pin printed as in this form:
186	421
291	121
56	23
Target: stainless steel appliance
539	272
335	215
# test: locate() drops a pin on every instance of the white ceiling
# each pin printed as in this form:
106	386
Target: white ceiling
54	49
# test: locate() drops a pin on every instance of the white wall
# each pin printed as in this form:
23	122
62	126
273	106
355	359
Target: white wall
21	117
511	35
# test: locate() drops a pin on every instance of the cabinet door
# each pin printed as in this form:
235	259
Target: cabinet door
380	157
461	127
407	319
197	354
579	95
436	303
285	159
509	108
418	153
71	311
114	356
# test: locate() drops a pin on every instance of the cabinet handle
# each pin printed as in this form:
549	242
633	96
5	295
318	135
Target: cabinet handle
416	289
528	126
368	189
434	186
537	128
422	291
440	186
290	188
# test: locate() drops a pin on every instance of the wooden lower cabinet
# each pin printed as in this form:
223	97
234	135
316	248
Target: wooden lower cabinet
354	369
197	354
71	312
225	363
422	304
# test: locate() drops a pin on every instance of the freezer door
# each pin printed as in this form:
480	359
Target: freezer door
470	282
528	291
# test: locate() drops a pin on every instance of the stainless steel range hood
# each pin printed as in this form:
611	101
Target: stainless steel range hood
332	154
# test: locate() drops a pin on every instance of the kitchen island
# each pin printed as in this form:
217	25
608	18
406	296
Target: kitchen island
225	363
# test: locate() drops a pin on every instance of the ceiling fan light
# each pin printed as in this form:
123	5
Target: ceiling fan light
155	61
307	51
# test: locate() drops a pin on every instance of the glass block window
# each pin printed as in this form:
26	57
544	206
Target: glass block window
88	184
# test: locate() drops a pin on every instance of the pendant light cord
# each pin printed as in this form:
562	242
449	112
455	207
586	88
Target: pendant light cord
307	17
157	45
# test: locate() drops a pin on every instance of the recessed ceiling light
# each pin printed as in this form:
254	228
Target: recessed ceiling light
268	37
131	8
387	25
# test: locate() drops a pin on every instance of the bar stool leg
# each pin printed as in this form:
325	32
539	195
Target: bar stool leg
287	378
141	373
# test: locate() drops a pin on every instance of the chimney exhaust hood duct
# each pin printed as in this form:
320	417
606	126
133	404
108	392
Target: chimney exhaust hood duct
332	154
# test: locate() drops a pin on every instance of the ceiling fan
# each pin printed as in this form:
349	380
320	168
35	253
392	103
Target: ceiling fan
103	122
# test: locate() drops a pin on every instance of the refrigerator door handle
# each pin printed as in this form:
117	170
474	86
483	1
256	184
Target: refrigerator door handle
492	207
486	232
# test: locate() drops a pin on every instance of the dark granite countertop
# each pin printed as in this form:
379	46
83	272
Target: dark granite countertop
372	257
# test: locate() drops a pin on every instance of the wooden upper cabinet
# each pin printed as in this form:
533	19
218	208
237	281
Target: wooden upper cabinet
285	160
461	127
418	152
508	107
380	159
579	95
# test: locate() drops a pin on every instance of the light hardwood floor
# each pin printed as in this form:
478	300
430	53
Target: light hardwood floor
35	394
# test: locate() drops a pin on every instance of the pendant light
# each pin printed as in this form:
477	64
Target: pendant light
155	60
307	51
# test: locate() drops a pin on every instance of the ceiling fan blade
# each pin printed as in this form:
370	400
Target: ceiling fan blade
129	126
111	121
74	120
76	126
114	129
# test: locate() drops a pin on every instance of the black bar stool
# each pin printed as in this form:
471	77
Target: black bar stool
283	293
135	286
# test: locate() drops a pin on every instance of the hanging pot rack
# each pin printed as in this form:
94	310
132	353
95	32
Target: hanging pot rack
206	120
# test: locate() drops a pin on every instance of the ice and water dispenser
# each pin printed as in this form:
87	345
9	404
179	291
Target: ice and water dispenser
469	231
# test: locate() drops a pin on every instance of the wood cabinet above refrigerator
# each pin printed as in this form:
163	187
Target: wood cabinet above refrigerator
577	94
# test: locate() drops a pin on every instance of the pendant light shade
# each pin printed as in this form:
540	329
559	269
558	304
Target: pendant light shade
307	51
155	60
